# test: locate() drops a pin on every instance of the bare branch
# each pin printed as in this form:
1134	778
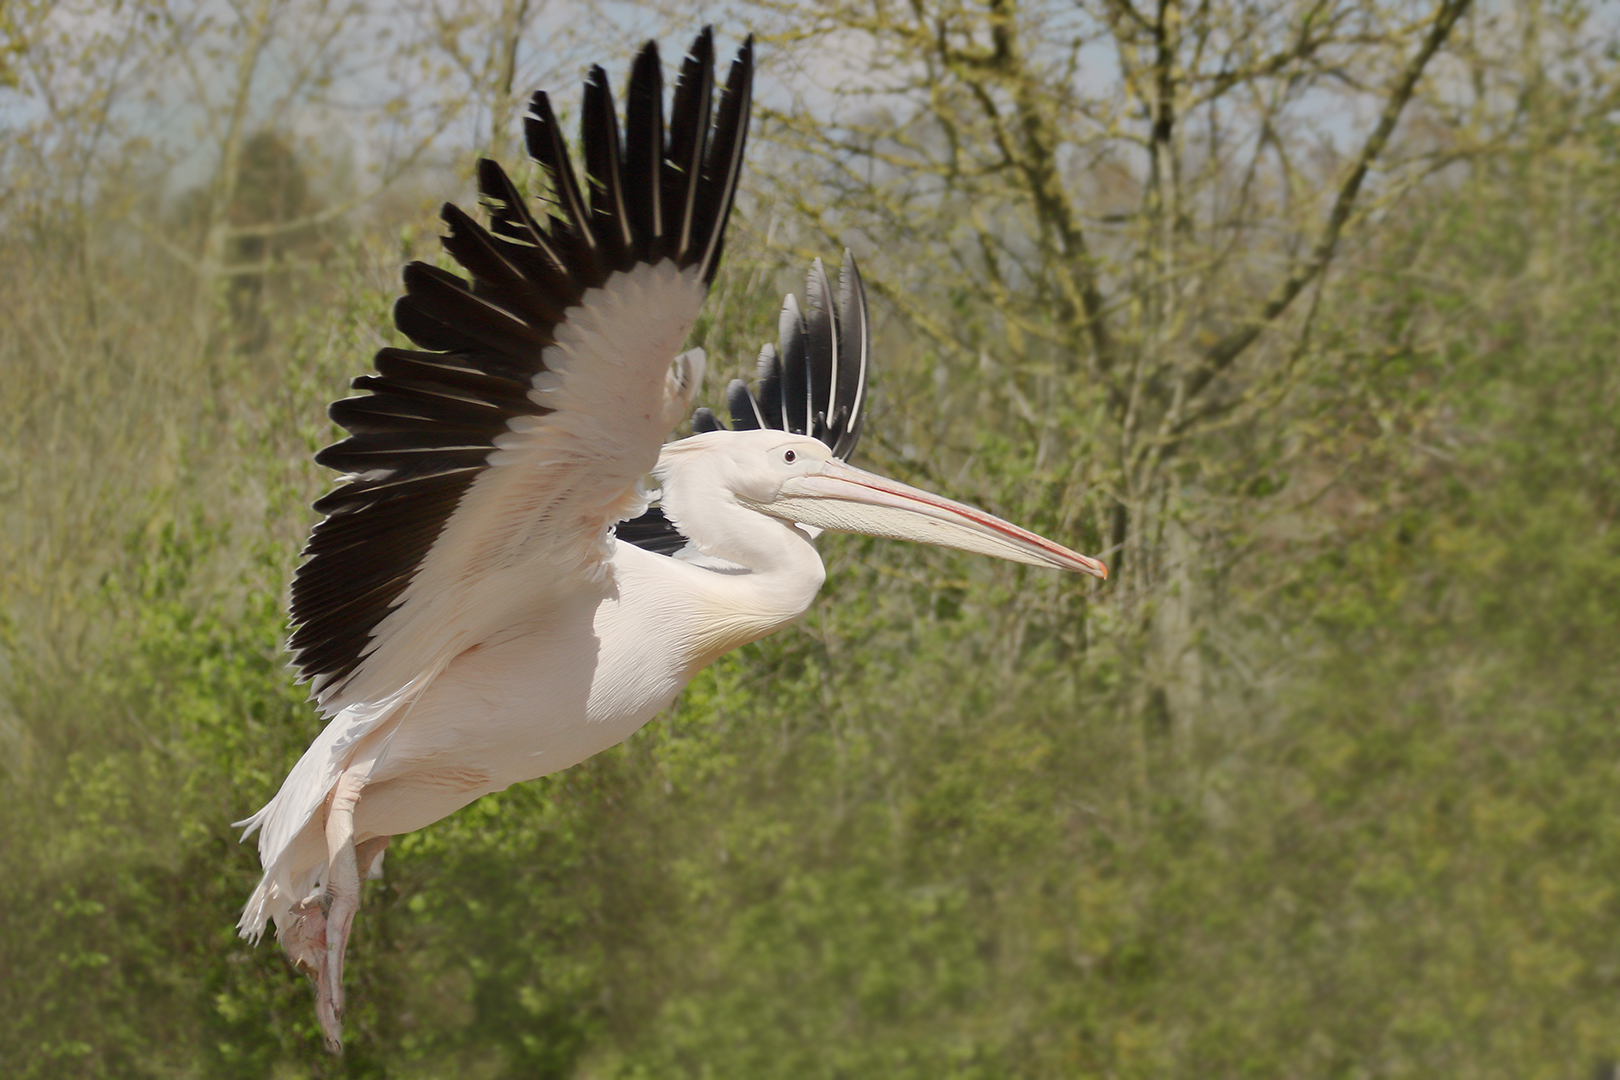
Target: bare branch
1225	352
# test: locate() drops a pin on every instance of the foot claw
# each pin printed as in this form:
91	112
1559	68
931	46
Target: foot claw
304	936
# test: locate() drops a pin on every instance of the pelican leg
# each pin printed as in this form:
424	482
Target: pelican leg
339	902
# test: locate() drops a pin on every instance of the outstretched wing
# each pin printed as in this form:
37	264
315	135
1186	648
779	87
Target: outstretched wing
504	448
813	382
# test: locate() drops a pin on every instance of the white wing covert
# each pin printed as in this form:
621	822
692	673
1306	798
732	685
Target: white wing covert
509	443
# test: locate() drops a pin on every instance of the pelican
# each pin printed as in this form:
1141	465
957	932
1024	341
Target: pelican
492	595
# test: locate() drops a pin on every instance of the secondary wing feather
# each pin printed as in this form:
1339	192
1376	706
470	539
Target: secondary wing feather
491	462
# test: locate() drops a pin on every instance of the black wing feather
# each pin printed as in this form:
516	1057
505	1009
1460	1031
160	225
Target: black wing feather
478	325
644	149
545	140
610	217
814	381
821	350
405	364
426	422
793	347
722	163
769	372
505	278
854	355
688	129
745	414
652	531
530	247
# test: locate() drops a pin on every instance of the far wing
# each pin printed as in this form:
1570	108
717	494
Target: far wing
501	452
812	382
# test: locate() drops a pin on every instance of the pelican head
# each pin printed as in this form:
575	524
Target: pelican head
795	479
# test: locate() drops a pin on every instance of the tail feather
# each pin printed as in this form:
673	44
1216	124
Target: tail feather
292	846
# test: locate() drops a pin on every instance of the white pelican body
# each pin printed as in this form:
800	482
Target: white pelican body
576	674
489	597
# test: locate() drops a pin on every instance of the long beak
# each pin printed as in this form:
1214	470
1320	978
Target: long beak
842	498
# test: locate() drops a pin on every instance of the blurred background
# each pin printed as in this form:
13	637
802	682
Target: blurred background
1301	313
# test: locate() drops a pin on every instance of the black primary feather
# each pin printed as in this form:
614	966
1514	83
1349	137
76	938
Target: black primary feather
570	230
813	381
644	148
744	409
530	247
793	349
768	373
610	216
848	409
688	130
821	351
426	422
716	186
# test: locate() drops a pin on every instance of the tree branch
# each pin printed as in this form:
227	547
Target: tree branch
1225	352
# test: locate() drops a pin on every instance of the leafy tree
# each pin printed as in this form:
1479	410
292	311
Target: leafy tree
1320	784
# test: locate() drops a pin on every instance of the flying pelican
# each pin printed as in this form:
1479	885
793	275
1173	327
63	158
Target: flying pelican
489	597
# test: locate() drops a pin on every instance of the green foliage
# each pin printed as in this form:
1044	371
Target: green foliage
956	823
